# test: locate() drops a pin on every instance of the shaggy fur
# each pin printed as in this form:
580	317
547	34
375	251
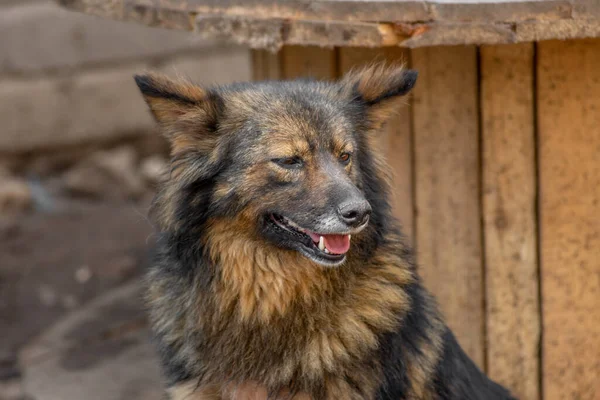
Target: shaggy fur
238	312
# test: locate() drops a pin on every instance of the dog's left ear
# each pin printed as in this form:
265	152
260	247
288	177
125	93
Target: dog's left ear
380	88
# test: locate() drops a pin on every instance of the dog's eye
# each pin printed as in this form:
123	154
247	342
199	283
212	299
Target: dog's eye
288	162
345	158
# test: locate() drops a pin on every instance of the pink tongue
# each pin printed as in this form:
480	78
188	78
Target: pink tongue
336	244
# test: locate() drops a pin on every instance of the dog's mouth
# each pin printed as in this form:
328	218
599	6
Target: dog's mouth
324	248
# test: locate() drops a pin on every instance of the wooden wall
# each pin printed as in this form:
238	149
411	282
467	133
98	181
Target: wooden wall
496	164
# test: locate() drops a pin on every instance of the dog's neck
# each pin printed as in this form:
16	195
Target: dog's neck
331	317
262	280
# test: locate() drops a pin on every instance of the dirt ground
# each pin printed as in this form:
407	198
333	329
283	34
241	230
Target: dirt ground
54	267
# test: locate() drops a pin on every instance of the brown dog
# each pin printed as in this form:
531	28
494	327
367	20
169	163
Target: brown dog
280	271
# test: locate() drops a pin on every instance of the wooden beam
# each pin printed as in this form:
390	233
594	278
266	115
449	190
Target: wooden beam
274	33
509	215
448	227
395	141
272	23
483	11
569	153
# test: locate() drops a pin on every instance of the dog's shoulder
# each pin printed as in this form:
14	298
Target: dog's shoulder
457	376
423	359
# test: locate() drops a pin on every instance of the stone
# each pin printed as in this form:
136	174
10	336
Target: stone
4	171
69	301
40	254
100	351
121	268
8	366
120	164
83	274
47	113
99	106
15	196
106	174
88	181
79	40
153	168
12	389
47	295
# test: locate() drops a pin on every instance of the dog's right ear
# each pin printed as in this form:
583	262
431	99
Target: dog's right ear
169	99
188	114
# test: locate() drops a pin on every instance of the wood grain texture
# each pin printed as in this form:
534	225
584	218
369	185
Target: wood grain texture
448	228
265	65
312	62
483	11
569	140
509	215
395	142
372	23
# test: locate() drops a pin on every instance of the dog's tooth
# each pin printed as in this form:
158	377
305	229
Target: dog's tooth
321	243
326	251
349	237
293	224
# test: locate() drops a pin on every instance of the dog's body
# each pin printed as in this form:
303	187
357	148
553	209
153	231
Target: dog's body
256	292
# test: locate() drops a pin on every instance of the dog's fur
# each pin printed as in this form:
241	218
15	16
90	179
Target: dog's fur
237	311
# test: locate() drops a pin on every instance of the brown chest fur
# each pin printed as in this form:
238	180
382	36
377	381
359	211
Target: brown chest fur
271	317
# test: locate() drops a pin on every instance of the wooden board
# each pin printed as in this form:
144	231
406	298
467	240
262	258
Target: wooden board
569	140
313	62
266	65
371	23
395	141
448	228
509	215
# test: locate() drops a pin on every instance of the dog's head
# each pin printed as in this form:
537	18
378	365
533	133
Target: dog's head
291	159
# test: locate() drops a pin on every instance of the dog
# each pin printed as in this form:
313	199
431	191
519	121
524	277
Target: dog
280	272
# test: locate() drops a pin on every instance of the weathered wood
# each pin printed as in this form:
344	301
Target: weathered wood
509	215
569	153
564	29
265	65
448	228
313	62
274	33
257	34
488	11
375	23
395	141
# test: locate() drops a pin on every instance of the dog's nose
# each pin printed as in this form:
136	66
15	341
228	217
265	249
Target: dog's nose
355	213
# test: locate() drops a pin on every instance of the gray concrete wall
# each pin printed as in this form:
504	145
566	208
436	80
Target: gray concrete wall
66	78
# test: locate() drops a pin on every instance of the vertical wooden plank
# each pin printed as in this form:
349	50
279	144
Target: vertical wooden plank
569	156
395	142
266	65
509	215
448	227
309	61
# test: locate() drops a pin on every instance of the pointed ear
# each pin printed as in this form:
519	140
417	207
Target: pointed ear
380	88
188	114
169	99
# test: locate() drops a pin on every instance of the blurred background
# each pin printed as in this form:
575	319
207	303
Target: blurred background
495	162
79	158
